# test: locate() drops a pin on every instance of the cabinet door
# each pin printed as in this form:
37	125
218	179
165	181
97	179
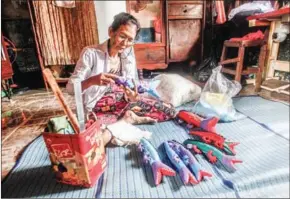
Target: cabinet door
184	39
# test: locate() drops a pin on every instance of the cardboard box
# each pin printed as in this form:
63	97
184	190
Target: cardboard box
77	159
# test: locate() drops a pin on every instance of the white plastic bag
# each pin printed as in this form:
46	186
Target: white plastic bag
216	97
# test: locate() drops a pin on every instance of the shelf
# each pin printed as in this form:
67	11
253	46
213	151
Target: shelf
151	66
183	17
186	2
271	15
61	80
249	70
151	44
177	60
280	65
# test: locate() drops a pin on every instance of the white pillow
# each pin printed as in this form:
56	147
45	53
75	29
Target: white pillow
176	90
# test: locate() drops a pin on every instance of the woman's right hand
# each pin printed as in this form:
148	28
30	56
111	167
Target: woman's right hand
101	79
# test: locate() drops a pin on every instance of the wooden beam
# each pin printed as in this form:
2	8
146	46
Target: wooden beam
285	18
61	80
258	23
58	94
152	67
230	61
273	14
280	65
172	17
250	70
228	71
269	49
186	2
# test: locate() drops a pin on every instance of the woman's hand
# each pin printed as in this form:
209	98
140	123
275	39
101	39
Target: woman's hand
131	95
101	79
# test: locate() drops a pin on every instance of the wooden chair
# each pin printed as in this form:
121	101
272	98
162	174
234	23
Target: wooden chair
239	60
6	69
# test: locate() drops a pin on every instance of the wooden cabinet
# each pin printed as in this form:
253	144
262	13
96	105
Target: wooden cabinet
185	30
150	47
171	31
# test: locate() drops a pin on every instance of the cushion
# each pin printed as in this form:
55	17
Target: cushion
177	90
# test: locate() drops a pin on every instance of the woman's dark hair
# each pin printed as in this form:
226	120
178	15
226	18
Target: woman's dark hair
124	18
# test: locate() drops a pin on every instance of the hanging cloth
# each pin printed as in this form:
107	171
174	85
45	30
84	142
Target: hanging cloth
221	15
63	33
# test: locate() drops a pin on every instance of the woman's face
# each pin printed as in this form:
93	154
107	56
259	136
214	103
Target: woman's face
123	37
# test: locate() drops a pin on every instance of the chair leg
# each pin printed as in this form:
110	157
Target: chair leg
240	64
223	56
224	52
261	65
258	81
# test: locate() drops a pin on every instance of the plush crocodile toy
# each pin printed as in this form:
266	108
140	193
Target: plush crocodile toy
213	154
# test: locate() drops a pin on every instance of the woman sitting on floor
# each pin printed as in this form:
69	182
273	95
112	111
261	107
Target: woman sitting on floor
98	68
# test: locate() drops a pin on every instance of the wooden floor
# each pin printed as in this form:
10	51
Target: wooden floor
31	111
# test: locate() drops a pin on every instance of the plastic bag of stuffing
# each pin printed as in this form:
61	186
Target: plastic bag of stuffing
216	98
176	90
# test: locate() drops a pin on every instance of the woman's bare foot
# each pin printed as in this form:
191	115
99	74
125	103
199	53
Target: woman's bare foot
132	118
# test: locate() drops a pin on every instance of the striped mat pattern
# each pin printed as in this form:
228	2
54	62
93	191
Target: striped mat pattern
264	149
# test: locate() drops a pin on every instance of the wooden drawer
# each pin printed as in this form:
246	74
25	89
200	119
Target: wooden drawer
150	55
186	10
186	1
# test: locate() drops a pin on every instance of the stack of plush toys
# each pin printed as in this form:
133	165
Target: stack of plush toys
150	89
207	141
204	141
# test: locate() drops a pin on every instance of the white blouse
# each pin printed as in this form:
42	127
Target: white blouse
93	61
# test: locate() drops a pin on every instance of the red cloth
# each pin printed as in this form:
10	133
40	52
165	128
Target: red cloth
250	37
157	25
113	105
220	8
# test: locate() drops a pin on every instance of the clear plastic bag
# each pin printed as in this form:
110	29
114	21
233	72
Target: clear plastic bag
216	98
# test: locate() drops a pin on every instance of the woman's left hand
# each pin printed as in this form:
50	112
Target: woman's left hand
131	95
